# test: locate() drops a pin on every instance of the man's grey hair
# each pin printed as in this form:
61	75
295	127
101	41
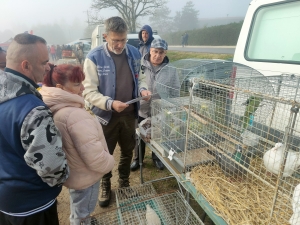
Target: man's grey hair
115	24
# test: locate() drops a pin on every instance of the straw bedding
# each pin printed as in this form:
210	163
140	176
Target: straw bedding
247	201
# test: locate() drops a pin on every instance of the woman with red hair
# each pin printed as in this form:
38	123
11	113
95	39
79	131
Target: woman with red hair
83	140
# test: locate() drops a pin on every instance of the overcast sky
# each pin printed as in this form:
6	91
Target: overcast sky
21	15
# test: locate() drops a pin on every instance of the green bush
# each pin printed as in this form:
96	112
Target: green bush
216	35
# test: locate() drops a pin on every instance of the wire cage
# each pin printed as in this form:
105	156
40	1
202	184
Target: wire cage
186	96
238	138
170	208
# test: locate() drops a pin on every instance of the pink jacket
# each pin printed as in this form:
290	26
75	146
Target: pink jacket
83	139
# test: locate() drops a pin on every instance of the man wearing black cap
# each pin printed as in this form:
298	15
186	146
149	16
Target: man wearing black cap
152	63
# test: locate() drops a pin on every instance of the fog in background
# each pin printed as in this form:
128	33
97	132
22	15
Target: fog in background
63	21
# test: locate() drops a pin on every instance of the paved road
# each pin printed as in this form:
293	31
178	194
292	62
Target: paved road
207	49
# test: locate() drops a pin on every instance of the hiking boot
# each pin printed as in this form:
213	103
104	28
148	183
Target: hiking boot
123	183
105	193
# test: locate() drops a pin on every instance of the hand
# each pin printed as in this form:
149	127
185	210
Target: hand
145	93
119	106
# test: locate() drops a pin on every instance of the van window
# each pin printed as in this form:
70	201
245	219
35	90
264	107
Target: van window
275	34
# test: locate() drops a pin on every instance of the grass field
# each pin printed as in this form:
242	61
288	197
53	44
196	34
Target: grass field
176	55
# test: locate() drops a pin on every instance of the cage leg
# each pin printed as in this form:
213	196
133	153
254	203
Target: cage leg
140	158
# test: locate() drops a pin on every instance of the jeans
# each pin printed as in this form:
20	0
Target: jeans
83	203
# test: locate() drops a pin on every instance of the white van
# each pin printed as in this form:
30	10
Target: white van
97	37
269	40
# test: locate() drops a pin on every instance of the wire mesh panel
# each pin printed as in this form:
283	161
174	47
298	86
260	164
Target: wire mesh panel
256	154
169	208
239	136
129	195
170	112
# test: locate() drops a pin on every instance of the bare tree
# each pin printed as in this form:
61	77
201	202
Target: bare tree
187	18
162	21
130	10
93	18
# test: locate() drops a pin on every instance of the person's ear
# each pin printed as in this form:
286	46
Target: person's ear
25	65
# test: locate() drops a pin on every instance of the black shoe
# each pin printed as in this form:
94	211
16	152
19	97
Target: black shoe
134	165
158	164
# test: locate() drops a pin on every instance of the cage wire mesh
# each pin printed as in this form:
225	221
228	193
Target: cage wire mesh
129	195
225	128
169	208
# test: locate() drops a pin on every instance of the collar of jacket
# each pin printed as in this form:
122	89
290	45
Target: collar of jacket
32	87
21	75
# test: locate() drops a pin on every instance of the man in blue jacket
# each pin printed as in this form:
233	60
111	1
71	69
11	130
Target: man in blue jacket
33	165
146	37
112	79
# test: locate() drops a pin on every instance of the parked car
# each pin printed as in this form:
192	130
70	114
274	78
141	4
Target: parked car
133	39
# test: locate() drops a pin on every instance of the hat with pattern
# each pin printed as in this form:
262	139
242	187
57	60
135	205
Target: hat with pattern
159	43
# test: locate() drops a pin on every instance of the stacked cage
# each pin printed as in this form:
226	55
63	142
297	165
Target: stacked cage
185	96
169	113
237	135
141	205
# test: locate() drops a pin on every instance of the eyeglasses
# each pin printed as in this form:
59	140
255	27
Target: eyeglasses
118	41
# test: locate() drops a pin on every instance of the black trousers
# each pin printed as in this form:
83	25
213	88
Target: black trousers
143	147
46	217
121	130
